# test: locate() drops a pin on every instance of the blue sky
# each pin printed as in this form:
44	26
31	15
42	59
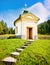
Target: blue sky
16	4
11	9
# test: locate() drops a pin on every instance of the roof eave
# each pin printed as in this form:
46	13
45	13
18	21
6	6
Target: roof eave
17	19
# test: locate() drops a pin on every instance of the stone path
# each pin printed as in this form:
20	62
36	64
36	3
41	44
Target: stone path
15	54
20	49
11	60
23	47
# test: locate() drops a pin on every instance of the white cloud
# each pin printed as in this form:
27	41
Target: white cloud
10	16
40	11
47	4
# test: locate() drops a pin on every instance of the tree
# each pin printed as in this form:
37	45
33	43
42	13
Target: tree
44	28
4	29
11	31
48	22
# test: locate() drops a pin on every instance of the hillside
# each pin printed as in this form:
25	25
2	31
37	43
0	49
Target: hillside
38	53
7	46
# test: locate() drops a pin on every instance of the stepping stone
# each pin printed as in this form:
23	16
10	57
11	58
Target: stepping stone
28	42
15	53
23	47
25	44
9	60
19	49
31	40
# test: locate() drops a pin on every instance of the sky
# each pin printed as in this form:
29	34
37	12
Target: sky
11	9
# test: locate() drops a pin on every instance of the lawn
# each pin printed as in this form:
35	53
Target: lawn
40	36
5	36
38	53
9	45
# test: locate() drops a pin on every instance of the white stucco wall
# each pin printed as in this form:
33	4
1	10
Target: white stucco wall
18	24
22	26
26	24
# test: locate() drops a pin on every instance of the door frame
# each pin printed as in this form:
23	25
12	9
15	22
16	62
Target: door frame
28	32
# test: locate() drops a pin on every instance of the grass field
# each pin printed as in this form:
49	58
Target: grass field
5	36
40	36
38	53
9	45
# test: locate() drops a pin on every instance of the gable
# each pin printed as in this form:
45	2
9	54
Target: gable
28	16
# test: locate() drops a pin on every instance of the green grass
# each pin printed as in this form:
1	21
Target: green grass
43	35
40	36
38	53
6	36
9	45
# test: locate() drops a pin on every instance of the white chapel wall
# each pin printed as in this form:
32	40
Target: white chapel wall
26	24
18	25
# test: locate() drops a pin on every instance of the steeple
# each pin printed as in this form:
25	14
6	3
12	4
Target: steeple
25	9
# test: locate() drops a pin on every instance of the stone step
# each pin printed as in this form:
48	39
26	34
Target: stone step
23	47
26	44
20	49
15	53
30	40
9	60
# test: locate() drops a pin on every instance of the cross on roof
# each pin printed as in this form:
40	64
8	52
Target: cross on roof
25	6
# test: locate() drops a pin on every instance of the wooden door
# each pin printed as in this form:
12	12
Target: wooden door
29	33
